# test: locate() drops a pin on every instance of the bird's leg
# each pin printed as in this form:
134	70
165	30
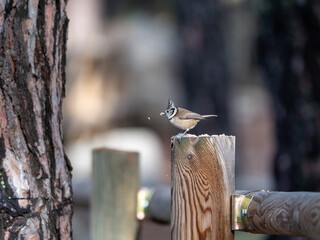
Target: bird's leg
185	131
180	135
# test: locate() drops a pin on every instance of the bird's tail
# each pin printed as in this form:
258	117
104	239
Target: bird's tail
205	116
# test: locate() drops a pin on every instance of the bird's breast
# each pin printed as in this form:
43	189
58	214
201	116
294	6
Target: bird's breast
184	124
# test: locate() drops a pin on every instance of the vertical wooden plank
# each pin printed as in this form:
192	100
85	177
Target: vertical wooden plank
115	183
202	186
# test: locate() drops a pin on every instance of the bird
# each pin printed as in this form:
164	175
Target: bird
183	118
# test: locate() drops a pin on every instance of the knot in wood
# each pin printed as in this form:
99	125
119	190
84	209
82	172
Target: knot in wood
189	157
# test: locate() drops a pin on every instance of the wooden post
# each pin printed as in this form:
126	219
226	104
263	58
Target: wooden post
202	187
279	213
115	182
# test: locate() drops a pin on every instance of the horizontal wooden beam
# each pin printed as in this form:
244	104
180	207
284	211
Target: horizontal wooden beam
159	208
277	213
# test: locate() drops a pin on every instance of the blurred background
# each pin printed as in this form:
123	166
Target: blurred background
254	63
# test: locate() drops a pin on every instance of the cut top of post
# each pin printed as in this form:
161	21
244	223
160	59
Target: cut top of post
221	146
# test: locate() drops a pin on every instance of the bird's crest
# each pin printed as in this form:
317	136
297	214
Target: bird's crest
170	104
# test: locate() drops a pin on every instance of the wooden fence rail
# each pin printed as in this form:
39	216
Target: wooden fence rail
204	203
203	186
277	213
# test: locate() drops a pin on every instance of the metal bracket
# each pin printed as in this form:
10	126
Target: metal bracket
240	205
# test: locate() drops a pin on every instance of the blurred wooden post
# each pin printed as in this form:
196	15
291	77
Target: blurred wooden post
202	186
278	213
115	183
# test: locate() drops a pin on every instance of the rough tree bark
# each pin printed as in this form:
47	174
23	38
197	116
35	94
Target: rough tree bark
35	190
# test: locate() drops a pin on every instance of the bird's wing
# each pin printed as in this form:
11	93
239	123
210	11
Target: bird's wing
211	115
191	115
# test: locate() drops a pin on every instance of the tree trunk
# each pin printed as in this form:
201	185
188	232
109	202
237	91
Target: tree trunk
35	191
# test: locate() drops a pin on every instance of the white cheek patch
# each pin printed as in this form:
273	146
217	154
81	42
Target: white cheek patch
175	111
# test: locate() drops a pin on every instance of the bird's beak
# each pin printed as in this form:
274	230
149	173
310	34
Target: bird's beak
162	113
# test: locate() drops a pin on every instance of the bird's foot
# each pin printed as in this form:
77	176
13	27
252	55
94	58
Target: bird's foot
179	136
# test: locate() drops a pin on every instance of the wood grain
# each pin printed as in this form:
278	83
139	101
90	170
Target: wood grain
115	183
285	213
202	185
